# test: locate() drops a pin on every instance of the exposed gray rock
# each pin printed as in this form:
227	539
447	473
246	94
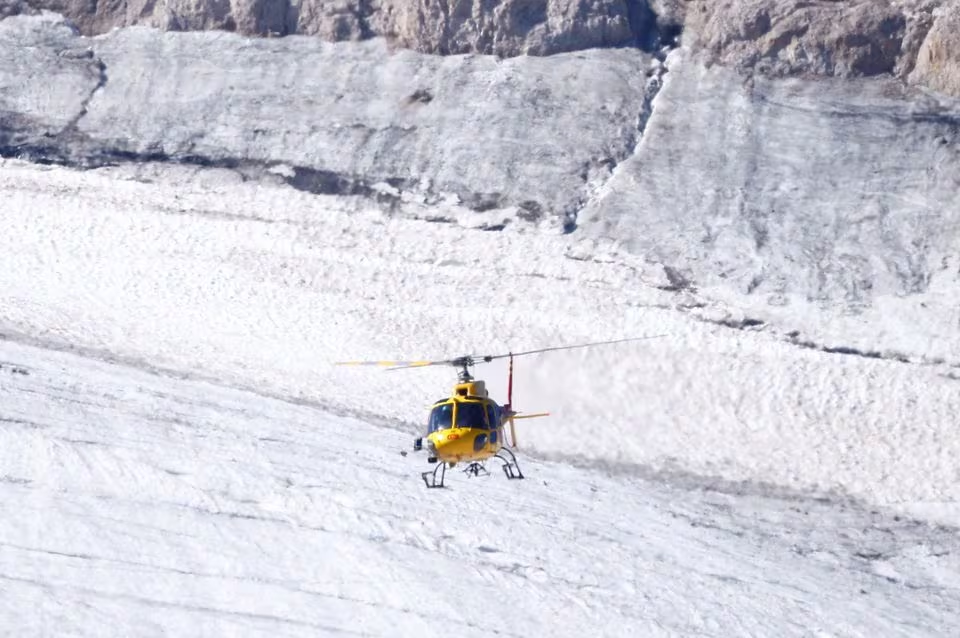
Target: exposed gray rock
335	20
793	37
94	16
253	17
938	62
16	7
332	20
919	16
512	27
505	27
198	15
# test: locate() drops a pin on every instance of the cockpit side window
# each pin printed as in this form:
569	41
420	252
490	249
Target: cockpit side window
471	415
492	420
441	417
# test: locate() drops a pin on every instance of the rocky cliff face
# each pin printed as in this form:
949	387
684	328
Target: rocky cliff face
10	8
938	61
514	27
910	39
505	28
844	38
791	37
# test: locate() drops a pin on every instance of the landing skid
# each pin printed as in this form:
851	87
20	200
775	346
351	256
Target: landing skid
434	478
476	469
510	467
430	476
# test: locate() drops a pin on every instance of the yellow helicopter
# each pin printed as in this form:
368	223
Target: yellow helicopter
469	426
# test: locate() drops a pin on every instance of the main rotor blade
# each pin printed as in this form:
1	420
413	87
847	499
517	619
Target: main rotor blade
472	360
579	345
392	364
419	364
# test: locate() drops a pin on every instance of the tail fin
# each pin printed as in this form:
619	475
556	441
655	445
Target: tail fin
511	414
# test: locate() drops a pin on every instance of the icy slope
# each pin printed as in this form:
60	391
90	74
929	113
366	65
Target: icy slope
826	207
799	199
347	118
137	504
264	287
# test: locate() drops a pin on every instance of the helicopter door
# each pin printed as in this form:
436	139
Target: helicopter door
492	423
470	414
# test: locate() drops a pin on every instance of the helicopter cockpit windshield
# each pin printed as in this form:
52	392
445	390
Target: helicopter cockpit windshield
468	415
471	415
441	417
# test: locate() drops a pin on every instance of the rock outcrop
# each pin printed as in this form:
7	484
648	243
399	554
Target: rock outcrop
854	38
938	61
10	8
778	38
913	40
512	27
507	28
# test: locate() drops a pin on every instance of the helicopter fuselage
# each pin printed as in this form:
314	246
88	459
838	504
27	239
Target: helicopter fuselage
466	426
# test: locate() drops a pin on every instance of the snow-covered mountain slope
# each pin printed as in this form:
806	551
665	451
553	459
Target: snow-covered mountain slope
802	198
753	470
827	207
334	118
262	287
136	504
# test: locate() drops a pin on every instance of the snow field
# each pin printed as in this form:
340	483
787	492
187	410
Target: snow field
262	287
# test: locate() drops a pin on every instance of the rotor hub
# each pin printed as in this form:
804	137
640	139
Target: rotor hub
464	363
